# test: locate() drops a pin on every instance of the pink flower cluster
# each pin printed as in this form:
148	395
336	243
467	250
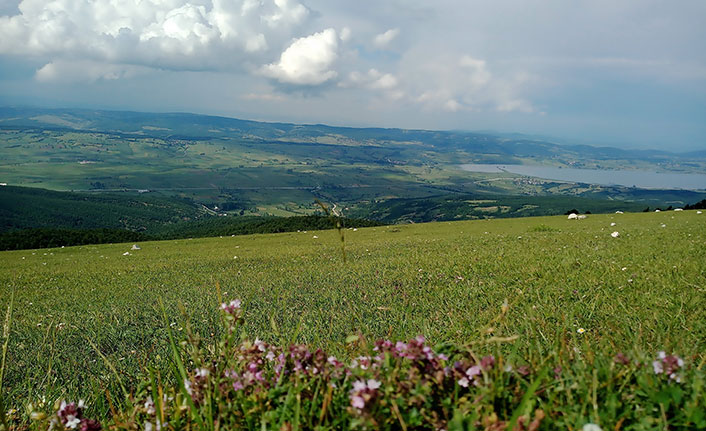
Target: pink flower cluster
414	350
70	416
264	364
668	365
363	392
250	377
467	373
232	308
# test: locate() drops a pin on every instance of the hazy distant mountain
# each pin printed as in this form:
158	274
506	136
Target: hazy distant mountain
192	126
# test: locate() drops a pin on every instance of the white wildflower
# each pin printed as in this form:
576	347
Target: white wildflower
72	421
373	384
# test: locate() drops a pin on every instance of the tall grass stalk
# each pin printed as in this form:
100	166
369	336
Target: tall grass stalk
6	342
338	224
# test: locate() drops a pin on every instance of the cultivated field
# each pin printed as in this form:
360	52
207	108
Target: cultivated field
567	282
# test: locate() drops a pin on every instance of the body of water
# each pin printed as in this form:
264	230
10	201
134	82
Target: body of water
641	179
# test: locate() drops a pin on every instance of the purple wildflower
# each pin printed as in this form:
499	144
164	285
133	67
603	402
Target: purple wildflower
363	392
487	362
669	365
231	308
89	425
523	370
358	402
71	417
473	371
620	358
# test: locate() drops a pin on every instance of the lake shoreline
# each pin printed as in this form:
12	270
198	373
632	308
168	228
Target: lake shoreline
622	178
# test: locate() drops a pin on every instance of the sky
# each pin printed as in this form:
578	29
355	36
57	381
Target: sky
627	73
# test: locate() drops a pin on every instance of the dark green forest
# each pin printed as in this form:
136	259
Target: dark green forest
47	238
25	207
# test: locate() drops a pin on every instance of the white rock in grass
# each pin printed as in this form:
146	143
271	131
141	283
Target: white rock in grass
613	224
582	217
615	234
618	212
591	427
698	212
135	247
573	216
678	209
657	211
315	237
127	253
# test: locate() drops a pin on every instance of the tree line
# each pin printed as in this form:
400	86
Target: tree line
53	237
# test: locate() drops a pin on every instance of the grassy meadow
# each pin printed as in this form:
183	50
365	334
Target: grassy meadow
567	282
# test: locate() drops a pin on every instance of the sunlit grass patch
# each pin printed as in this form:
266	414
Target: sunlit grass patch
637	294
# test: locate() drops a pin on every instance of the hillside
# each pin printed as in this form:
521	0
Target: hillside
38	218
203	127
23	207
639	292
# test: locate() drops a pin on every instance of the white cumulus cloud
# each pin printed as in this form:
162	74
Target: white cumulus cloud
345	34
465	83
307	61
384	39
62	71
372	79
174	34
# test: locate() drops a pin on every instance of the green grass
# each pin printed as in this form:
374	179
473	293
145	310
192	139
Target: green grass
642	292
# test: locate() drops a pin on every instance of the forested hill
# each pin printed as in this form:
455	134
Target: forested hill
25	207
38	218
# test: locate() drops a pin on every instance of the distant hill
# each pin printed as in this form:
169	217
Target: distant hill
193	126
